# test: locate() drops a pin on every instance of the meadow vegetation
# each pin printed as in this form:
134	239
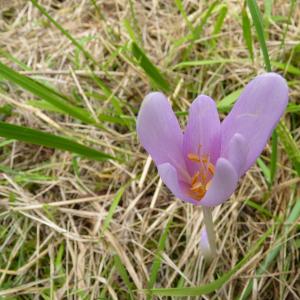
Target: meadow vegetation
83	212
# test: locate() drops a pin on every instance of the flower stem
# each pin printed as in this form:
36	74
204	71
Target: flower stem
207	217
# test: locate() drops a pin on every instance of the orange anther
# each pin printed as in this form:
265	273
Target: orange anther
208	185
201	193
204	158
211	168
201	179
197	186
194	157
195	178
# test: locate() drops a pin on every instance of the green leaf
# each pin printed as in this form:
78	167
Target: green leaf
293	108
180	7
220	19
259	208
187	64
286	67
226	103
256	17
14	60
45	93
130	30
216	284
152	71
268	7
204	18
247	33
113	207
37	137
44	105
124	275
265	170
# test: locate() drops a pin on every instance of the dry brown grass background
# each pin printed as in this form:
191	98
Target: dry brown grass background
54	203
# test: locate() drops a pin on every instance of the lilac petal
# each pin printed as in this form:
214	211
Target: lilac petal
256	114
203	128
159	131
169	177
237	153
222	185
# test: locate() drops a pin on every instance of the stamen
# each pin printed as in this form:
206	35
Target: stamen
197	186
208	185
211	168
204	159
195	178
194	157
201	180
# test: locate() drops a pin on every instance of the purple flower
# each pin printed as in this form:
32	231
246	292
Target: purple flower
203	165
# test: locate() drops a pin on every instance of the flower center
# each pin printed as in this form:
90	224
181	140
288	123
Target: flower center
201	179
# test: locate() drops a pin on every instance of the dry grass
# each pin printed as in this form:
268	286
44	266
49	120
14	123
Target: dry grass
53	204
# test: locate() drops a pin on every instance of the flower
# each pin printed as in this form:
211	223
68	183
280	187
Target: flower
203	165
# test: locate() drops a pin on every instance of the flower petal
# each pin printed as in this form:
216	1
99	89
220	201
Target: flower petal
159	131
237	153
222	185
169	177
255	114
203	128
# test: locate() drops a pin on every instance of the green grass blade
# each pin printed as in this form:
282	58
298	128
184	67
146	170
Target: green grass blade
135	24
226	103
14	60
44	105
259	208
257	20
268	7
45	93
293	108
124	275
180	7
292	10
113	207
265	170
157	260
286	68
197	30
204	18
64	32
152	71
196	63
216	284
219	23
247	33
130	30
37	137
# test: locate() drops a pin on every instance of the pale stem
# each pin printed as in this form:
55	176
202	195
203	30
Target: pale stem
209	225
